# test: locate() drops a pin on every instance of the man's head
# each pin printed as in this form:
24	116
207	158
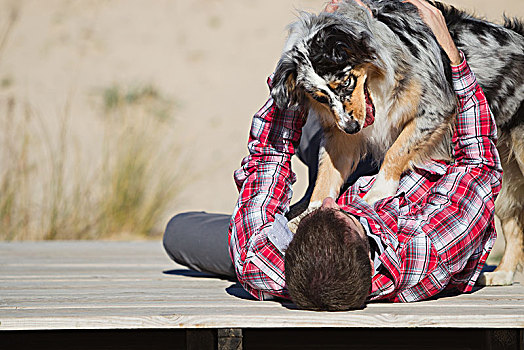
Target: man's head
327	262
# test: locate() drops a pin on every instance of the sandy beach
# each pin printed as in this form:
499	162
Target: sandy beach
210	58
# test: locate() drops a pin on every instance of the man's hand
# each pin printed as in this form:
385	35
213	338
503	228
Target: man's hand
431	16
333	6
436	22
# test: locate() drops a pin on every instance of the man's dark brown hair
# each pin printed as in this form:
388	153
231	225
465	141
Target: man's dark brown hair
327	264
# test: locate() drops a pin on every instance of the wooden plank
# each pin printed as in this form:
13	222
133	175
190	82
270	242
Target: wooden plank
136	291
102	305
144	292
269	309
230	339
128	287
114	285
239	320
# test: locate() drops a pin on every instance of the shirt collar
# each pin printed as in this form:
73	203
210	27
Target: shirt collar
389	258
376	247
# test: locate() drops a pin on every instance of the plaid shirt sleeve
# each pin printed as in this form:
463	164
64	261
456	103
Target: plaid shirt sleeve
264	182
474	182
447	235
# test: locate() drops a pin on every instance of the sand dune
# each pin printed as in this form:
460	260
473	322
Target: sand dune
209	56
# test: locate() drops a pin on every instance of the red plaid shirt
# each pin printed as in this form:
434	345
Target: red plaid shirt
437	230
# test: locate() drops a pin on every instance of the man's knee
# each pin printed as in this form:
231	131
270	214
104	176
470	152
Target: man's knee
174	236
198	240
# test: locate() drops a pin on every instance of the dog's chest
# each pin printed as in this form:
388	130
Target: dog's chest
379	136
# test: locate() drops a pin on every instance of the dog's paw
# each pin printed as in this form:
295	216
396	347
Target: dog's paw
376	194
381	189
496	278
293	224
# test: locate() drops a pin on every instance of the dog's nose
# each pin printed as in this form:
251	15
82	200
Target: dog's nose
352	127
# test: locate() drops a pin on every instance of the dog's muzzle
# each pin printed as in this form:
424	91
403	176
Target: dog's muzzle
352	127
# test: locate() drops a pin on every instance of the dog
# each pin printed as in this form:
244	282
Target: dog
380	85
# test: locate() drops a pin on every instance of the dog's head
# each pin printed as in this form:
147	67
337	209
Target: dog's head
326	63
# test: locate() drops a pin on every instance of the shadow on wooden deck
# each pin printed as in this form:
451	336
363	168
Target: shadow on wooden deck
129	295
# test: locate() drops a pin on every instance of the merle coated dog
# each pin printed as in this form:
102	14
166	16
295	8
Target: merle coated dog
380	85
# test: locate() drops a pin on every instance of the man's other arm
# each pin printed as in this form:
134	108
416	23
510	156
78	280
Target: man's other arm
454	222
264	182
475	135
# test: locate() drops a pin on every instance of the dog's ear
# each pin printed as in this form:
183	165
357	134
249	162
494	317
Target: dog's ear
283	88
340	44
350	42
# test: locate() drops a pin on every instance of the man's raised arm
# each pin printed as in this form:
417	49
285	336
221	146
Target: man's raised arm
264	182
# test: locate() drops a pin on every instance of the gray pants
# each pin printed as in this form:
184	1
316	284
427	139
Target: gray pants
199	241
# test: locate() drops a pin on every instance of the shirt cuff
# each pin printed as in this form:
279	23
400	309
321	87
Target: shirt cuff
459	70
279	234
464	80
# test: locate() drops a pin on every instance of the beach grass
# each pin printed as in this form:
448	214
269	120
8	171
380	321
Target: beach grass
51	190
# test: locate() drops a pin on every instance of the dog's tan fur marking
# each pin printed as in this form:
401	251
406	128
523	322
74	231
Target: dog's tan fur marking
334	84
402	152
328	176
319	93
408	101
291	82
512	229
357	102
327	118
338	160
399	155
411	146
420	147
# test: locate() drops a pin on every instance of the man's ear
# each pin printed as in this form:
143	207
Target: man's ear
283	88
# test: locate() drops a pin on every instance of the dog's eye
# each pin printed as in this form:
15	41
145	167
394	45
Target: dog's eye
347	83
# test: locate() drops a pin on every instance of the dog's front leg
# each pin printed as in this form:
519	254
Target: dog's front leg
333	169
338	157
395	162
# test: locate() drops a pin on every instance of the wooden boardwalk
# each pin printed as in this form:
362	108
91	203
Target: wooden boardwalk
116	286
